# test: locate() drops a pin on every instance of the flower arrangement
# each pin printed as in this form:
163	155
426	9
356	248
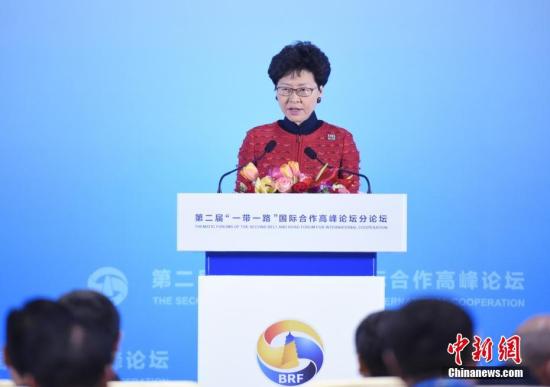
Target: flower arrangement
288	179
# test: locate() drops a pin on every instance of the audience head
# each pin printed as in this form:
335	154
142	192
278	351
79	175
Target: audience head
369	344
37	324
417	337
535	346
95	311
47	347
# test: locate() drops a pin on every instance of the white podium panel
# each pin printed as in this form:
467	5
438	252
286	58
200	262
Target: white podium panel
292	222
268	331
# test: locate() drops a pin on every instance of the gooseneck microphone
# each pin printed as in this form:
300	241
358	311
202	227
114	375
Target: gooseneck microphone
310	152
313	155
267	149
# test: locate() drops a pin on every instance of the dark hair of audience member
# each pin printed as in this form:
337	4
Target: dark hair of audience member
418	335
535	347
49	346
369	344
95	311
24	328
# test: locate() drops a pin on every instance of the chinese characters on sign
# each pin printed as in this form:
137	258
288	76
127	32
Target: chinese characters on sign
451	280
166	278
293	218
140	360
294	221
174	287
485	289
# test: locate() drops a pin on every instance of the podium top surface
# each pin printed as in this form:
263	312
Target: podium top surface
292	222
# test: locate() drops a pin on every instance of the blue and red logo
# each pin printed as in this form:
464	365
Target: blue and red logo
290	352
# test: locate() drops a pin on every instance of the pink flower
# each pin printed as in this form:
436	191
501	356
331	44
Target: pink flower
283	184
275	173
249	172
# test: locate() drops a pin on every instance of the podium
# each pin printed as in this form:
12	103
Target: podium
288	279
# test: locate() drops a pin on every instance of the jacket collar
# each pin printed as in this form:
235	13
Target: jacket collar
307	127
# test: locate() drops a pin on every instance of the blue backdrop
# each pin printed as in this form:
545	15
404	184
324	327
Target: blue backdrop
108	109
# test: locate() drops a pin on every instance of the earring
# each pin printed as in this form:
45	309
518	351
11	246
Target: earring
318	99
276	99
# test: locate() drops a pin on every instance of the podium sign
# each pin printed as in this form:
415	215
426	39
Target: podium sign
292	222
259	331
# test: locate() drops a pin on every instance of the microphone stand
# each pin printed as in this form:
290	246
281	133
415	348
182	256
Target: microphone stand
268	149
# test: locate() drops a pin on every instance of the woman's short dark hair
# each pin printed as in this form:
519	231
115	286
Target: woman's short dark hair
297	57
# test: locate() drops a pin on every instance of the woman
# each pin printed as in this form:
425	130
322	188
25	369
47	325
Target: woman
300	72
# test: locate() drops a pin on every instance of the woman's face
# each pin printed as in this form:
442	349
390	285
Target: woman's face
298	109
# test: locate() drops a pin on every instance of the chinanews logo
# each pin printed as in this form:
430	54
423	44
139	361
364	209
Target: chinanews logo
290	352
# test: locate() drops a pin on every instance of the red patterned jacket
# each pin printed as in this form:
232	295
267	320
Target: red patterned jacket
334	145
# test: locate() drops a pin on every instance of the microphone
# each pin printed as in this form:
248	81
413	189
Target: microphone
310	152
313	155
267	149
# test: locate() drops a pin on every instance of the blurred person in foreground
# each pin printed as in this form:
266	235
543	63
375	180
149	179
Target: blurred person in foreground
96	312
535	355
24	327
369	344
535	347
46	347
417	336
299	73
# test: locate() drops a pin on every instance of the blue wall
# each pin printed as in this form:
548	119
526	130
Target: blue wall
108	109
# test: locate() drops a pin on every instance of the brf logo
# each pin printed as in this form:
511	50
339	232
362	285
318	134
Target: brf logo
111	282
290	352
